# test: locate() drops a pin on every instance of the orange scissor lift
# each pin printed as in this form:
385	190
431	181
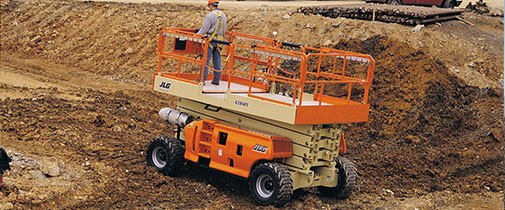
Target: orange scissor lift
274	119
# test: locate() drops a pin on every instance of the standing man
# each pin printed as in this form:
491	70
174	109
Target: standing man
214	26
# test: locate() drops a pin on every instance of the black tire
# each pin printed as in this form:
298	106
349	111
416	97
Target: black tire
448	4
347	180
394	2
166	155
271	184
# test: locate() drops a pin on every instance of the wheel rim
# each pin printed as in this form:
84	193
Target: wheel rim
265	186
159	157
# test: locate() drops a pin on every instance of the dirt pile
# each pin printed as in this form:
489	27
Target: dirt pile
439	132
109	39
119	40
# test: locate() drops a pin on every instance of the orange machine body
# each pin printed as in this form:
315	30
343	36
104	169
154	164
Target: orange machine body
231	149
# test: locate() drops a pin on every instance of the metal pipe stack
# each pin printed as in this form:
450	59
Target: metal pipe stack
408	15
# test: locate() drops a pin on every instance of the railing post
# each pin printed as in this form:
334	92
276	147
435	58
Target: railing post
294	95
303	76
371	68
204	60
252	73
230	63
321	94
344	63
349	93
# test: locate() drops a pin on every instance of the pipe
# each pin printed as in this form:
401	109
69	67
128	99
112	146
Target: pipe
175	117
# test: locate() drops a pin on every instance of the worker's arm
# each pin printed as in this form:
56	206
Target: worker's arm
205	25
225	20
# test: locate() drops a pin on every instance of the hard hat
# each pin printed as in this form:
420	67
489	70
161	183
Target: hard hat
212	1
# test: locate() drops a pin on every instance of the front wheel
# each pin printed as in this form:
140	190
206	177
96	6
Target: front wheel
271	184
166	155
347	180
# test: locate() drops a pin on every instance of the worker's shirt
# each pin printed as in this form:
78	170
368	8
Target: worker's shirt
210	22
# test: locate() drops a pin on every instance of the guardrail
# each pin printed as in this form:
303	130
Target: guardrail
261	62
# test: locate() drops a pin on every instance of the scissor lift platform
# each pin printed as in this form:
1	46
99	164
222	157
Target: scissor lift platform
266	105
241	90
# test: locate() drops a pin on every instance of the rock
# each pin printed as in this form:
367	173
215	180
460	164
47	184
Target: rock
129	50
478	61
310	26
7	184
495	12
497	134
36	39
37	174
286	16
327	43
417	28
299	205
12	197
413	139
99	121
50	168
26	176
6	206
336	24
117	128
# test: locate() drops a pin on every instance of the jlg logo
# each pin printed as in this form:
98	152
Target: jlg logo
260	148
165	85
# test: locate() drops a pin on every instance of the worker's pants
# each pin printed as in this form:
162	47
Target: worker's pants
216	60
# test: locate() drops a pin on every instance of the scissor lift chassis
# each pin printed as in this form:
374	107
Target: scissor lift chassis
315	147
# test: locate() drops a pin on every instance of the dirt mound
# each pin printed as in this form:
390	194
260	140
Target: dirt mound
428	130
73	33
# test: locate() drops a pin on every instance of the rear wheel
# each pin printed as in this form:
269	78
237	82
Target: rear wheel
394	2
271	184
347	180
166	155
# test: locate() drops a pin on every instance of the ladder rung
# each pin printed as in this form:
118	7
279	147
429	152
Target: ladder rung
204	143
204	155
205	131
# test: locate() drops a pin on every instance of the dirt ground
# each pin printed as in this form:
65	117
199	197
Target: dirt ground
77	113
233	4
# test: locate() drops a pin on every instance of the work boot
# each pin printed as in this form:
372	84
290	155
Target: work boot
215	83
